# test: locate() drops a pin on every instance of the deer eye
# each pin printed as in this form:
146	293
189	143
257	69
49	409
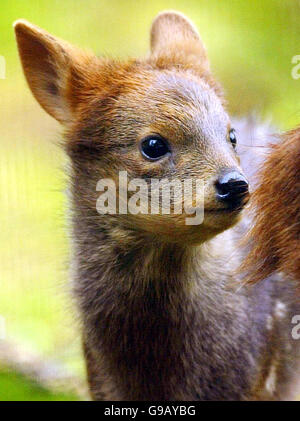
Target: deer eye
154	147
232	137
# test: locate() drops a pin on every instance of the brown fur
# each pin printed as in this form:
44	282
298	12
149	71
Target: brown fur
159	319
275	236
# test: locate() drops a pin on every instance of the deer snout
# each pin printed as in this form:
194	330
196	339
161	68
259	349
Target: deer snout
232	189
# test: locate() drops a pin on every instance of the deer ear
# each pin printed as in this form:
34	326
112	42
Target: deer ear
47	63
174	35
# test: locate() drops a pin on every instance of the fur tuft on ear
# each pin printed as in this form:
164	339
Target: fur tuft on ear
47	64
175	38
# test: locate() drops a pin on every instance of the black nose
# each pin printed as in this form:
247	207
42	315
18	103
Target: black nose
232	189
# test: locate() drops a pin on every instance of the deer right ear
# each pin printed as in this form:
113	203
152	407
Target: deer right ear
175	37
47	63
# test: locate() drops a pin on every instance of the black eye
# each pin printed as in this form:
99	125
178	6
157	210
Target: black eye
232	137
154	147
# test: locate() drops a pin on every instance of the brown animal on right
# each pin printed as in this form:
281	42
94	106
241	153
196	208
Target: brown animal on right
275	236
161	316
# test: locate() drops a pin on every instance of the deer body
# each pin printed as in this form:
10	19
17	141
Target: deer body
162	315
167	327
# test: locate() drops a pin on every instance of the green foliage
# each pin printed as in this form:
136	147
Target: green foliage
15	387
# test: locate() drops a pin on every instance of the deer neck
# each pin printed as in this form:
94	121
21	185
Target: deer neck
140	302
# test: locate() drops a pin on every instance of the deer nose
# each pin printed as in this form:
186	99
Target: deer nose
232	189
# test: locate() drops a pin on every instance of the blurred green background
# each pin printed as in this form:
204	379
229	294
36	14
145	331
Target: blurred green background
250	45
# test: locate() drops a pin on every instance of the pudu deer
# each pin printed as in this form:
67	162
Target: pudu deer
275	235
160	317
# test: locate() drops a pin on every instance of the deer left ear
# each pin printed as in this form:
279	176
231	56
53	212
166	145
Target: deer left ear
175	37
